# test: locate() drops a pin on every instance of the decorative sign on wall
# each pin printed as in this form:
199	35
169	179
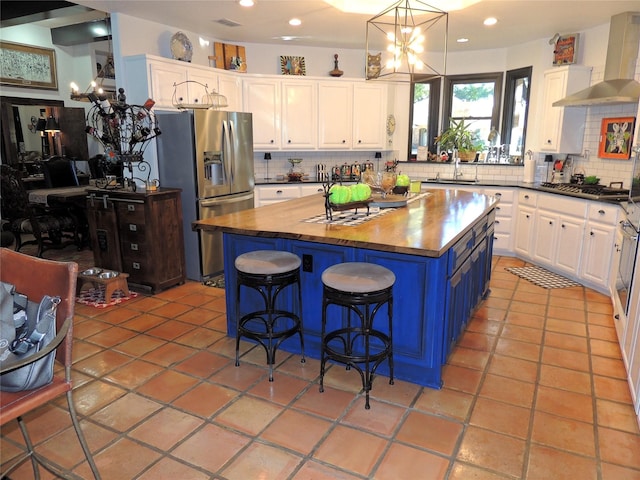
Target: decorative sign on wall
27	66
566	49
615	138
292	65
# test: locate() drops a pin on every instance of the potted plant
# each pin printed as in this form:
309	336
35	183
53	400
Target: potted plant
460	137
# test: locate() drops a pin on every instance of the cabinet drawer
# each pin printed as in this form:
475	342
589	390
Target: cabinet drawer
311	189
134	247
131	231
130	212
503	225
527	197
460	252
560	204
504	210
279	193
505	196
137	268
600	212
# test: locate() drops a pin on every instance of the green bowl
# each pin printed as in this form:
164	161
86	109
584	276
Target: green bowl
591	180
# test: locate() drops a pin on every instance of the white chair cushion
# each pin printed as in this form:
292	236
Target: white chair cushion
358	277
267	262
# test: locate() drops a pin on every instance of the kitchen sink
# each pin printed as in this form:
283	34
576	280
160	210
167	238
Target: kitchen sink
451	180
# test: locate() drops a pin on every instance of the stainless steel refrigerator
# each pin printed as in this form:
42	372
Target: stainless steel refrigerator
209	155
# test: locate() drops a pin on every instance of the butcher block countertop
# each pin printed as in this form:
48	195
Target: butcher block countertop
428	226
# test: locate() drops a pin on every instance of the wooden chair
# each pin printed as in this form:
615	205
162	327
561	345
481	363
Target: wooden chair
50	227
36	277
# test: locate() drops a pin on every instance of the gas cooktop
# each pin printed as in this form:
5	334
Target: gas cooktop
594	192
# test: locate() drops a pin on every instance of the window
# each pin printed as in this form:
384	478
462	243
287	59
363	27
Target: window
516	108
476	98
425	108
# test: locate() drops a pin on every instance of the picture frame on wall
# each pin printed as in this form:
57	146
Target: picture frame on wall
28	66
616	135
566	49
292	65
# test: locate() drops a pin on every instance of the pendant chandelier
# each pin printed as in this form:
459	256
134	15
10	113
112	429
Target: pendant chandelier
407	39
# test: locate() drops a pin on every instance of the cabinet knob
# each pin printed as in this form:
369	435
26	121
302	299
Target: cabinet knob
527	215
526	197
133	227
271	141
616	316
344	141
601	212
288	141
496	221
549	141
134	247
550	222
591	233
359	141
563	225
180	99
497	194
135	265
278	192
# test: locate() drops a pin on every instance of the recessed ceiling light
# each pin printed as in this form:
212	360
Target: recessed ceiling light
490	21
462	40
246	3
295	22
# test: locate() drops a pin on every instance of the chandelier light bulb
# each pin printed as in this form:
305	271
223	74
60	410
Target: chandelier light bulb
74	87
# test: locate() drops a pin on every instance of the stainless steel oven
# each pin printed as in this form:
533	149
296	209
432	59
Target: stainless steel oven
628	250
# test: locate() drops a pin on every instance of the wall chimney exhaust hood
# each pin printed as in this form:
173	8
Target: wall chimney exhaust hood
618	85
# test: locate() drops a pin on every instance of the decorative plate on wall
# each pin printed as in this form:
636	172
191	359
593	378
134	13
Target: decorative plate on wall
292	65
181	47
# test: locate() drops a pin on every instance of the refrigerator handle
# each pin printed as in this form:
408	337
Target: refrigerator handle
230	146
212	202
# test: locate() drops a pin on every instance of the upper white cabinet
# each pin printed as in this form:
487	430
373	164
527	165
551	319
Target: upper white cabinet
262	98
299	115
369	103
562	128
230	85
169	82
335	115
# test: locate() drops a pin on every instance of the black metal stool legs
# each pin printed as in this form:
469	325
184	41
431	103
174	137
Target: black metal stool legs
358	344
269	326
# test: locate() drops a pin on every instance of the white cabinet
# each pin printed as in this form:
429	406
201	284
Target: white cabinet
600	238
335	115
299	115
558	234
369	116
311	189
162	78
230	85
504	222
562	128
268	194
261	97
525	223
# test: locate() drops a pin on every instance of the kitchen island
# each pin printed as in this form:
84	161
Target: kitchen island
439	247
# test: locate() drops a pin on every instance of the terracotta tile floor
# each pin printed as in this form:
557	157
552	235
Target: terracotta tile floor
535	390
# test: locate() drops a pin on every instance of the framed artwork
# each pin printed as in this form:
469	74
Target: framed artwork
27	66
615	138
292	65
566	50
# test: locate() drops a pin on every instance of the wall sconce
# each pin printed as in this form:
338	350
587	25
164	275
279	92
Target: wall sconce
267	157
52	125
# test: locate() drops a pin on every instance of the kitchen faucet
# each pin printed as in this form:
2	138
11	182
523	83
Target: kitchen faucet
457	173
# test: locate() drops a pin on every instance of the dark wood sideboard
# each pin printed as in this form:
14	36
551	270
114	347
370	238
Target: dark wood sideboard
139	233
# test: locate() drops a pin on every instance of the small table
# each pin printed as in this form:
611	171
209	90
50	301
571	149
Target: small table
119	282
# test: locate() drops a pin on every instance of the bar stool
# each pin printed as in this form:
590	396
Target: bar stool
362	288
268	272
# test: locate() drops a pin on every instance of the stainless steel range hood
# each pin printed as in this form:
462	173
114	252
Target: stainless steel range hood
618	85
